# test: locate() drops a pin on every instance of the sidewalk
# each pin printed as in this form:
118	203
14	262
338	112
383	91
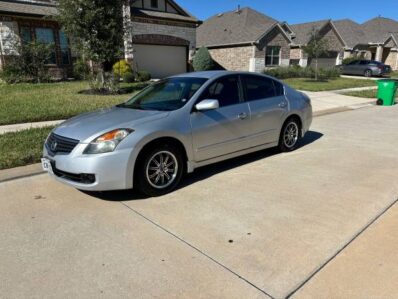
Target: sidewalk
26	126
328	101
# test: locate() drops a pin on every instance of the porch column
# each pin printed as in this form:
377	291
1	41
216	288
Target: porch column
128	36
379	53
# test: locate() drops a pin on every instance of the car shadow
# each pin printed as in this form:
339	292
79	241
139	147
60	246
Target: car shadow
205	172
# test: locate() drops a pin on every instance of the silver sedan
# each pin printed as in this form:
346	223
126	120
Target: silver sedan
173	127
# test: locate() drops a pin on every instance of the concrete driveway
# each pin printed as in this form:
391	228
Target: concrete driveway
265	225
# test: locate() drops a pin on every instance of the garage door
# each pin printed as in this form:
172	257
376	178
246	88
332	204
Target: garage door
326	61
161	61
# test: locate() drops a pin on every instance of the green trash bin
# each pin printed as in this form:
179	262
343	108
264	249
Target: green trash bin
386	92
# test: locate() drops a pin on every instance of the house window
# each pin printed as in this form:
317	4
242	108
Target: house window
26	36
64	46
154	3
46	36
272	56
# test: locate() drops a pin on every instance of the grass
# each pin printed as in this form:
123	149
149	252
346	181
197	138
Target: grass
21	103
371	94
331	84
22	148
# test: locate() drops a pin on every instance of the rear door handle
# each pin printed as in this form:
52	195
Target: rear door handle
242	115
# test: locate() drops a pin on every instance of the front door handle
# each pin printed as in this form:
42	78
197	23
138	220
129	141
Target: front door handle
283	105
242	115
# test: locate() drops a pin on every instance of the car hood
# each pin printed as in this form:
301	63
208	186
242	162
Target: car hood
88	126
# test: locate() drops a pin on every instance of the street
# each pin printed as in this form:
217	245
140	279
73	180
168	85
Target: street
260	226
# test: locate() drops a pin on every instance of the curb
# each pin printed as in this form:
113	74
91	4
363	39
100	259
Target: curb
20	172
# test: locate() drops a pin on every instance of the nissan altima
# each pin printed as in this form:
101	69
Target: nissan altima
174	126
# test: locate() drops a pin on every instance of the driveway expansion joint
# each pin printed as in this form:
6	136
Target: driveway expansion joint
358	234
197	250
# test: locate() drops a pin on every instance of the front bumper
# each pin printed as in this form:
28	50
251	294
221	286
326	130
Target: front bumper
112	171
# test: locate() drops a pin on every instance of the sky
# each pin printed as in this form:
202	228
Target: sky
299	11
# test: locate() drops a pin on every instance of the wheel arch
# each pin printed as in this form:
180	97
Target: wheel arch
160	141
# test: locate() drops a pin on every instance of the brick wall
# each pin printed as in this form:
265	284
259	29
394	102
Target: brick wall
295	53
233	58
392	59
335	44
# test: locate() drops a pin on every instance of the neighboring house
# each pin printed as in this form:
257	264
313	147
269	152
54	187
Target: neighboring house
246	40
161	37
374	40
32	20
327	31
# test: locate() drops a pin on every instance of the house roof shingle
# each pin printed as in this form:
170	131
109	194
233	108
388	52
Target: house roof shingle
303	30
27	8
351	32
162	15
378	30
235	27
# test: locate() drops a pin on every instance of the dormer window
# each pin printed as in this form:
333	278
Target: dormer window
154	3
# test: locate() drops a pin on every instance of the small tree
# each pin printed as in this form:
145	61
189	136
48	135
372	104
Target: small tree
202	60
97	25
316	47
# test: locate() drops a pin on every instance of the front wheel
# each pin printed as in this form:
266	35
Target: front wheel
290	135
160	170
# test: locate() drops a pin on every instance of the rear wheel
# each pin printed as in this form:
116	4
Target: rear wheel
290	135
368	73
160	170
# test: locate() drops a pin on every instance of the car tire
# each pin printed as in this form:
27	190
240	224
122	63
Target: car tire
159	170
368	73
290	135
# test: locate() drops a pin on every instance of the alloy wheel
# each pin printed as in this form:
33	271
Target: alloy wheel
291	135
162	169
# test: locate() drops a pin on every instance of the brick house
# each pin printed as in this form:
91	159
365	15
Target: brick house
29	20
376	39
161	36
246	40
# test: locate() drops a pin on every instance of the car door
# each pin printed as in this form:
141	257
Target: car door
268	106
350	69
221	131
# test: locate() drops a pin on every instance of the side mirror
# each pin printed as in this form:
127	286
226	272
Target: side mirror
207	105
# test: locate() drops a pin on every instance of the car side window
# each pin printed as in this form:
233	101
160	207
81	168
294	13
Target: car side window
225	90
258	88
364	62
279	89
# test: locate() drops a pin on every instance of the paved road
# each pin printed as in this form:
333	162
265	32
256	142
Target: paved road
265	225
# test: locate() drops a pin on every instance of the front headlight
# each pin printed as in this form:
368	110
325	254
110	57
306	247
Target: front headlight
108	142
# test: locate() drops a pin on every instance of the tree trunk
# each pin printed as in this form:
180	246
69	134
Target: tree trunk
316	68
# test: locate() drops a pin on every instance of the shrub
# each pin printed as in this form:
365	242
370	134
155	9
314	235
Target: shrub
121	67
128	77
202	60
143	76
300	72
30	65
81	70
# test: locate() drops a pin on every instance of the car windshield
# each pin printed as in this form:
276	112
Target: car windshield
166	95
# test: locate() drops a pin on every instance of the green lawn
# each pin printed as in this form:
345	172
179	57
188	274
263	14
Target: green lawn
22	148
371	94
331	84
52	101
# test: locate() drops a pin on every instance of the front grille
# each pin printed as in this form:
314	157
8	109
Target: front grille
83	178
57	144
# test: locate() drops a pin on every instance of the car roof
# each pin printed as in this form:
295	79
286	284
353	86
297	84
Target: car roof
215	74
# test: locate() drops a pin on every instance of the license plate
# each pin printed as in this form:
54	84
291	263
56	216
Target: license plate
46	165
